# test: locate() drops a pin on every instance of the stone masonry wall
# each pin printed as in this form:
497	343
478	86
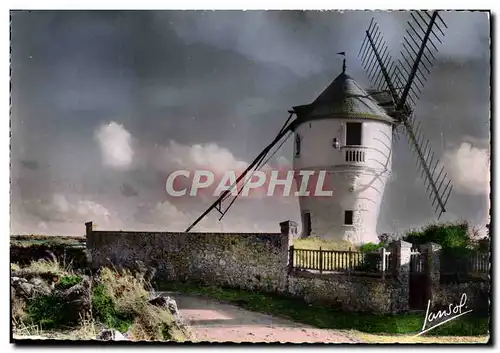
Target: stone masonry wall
477	295
350	293
246	261
260	262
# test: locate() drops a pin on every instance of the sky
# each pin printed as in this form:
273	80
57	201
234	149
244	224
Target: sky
104	104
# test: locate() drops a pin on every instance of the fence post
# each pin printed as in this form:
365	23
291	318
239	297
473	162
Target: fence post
384	265
401	257
290	258
320	260
350	260
432	268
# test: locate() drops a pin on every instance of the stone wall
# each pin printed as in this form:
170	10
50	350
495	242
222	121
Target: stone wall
246	261
260	262
350	293
477	295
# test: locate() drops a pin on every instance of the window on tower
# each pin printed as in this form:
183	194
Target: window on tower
348	218
353	134
297	145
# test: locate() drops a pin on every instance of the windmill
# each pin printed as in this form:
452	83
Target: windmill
353	128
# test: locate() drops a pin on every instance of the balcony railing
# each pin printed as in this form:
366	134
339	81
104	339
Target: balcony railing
354	154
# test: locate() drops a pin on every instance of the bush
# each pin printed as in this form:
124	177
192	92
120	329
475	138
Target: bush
448	235
103	310
120	301
68	281
370	247
47	311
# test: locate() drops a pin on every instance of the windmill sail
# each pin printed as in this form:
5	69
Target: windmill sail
255	165
405	81
378	63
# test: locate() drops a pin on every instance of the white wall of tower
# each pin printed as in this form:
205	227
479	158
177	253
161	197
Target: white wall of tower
357	185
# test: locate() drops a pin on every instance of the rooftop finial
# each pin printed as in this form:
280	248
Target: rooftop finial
343	63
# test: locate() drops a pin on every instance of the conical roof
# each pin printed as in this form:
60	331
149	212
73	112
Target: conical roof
344	98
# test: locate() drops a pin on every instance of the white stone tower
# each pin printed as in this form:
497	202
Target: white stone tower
347	133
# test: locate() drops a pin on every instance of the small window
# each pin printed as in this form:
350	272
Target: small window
306	224
353	134
297	145
348	218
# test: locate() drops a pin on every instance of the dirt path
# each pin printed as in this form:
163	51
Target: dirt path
213	321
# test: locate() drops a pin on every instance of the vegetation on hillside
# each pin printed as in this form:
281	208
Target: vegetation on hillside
118	299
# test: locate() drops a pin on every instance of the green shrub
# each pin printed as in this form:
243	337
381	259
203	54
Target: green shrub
47	311
104	310
370	247
448	235
67	282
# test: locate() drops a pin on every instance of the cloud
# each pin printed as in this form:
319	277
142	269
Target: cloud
469	168
198	156
115	143
161	215
63	212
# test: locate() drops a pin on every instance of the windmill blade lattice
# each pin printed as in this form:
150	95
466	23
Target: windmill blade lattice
417	56
417	59
378	64
428	164
410	72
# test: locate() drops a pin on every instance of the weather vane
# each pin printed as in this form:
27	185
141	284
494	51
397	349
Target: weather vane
343	63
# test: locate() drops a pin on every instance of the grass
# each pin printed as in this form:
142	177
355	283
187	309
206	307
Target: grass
329	318
119	301
315	243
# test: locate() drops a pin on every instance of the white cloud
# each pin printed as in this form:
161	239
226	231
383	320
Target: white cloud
469	168
205	157
115	143
162	216
59	209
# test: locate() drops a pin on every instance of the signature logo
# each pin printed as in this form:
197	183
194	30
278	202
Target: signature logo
454	311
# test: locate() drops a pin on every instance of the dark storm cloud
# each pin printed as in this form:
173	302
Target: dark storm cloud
223	77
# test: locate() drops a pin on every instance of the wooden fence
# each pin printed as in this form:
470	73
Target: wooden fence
340	261
479	263
456	267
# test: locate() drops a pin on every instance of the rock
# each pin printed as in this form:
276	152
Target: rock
40	285
28	289
111	335
158	299
14	279
25	289
78	301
